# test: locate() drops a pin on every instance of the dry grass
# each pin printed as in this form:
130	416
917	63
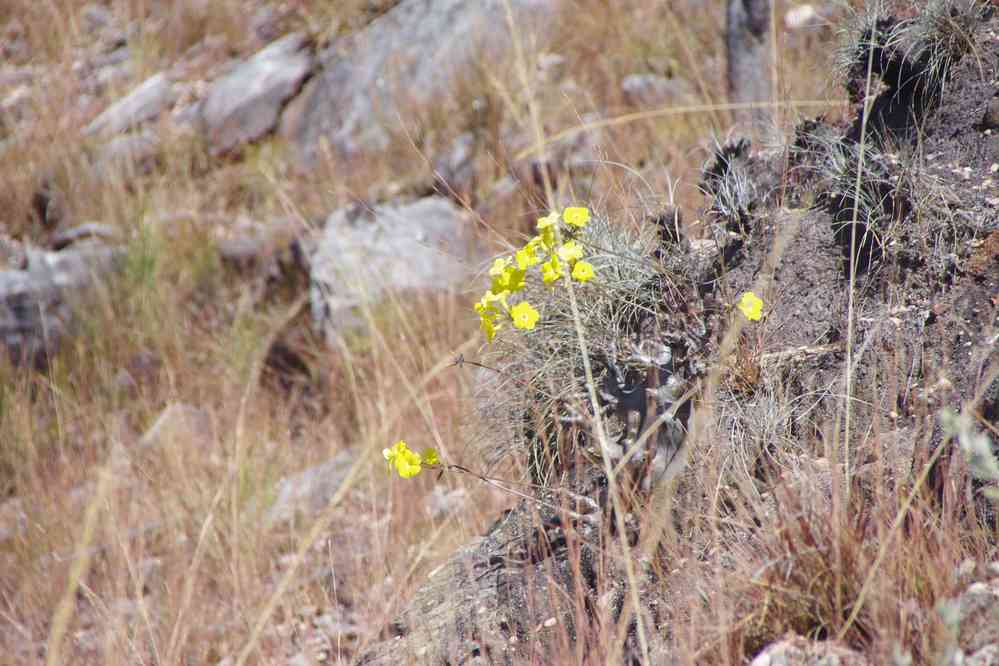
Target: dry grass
180	566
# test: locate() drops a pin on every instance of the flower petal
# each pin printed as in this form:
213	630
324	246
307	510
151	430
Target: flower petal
576	216
583	271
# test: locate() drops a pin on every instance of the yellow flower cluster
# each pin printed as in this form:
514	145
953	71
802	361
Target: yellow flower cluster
407	462
751	305
509	274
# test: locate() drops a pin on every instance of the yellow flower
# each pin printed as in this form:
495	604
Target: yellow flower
486	306
393	453
571	251
546	238
405	461
546	230
536	243
500	265
489	327
509	280
576	216
548	221
751	306
409	464
430	457
551	270
527	256
583	271
524	315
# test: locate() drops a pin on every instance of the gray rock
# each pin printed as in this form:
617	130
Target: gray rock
266	24
66	237
14	76
426	244
245	104
133	153
402	63
309	491
987	656
180	422
144	103
748	76
991	118
570	158
454	172
491	597
978	616
15	107
37	304
49	202
96	17
120	55
13	518
110	77
800	651
654	90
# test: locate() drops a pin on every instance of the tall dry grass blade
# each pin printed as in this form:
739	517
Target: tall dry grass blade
81	564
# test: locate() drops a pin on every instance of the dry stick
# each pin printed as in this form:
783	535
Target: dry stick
838	505
538	147
848	370
143	606
191	577
415	393
776	119
64	611
119	633
611	481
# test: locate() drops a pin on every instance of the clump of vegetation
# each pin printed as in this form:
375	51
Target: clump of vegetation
728	182
541	381
904	64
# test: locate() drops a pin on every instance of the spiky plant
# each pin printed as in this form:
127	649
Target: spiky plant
730	186
912	57
868	33
941	35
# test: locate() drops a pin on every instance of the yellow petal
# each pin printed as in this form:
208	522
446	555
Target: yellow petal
551	270
524	315
570	251
751	306
548	221
499	265
576	216
583	271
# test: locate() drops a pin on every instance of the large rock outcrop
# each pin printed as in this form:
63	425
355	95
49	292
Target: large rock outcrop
411	58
